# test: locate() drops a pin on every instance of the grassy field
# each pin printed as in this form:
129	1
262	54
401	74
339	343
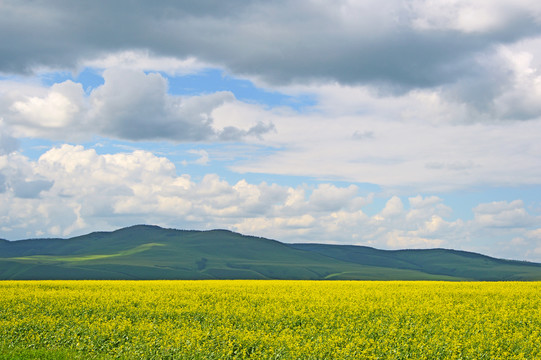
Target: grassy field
236	319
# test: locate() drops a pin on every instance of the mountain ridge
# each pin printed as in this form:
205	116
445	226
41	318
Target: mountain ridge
153	252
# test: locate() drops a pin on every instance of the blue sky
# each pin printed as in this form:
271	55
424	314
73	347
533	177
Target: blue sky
414	125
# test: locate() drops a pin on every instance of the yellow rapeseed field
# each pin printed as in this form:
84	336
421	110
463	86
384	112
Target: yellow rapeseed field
269	320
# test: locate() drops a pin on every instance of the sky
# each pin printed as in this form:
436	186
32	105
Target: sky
402	124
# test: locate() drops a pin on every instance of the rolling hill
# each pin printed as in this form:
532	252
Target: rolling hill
151	252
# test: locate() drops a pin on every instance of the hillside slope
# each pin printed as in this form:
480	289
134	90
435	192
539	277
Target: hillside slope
151	252
455	263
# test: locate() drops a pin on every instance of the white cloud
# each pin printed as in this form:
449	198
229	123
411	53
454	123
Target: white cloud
535	252
87	191
203	156
422	225
534	234
430	207
143	60
399	239
129	105
53	111
452	136
418	202
504	228
419	140
58	110
393	207
501	214
520	98
480	16
328	197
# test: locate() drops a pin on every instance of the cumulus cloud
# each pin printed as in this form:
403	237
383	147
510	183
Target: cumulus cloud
429	207
135	105
506	227
71	190
393	207
500	214
129	105
59	110
328	197
422	224
19	177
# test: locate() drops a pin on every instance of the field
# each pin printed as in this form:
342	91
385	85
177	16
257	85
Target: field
232	319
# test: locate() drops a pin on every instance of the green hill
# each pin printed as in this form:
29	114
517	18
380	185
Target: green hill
151	252
454	263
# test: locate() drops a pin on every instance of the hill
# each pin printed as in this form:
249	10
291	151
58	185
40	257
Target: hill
151	252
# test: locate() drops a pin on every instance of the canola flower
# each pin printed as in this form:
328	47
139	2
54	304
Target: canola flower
244	319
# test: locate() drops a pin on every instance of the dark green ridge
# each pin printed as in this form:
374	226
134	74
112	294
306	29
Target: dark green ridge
152	252
457	263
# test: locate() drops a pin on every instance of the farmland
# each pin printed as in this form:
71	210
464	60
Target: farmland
270	319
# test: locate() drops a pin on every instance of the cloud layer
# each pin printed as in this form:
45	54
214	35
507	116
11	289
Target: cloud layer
45	197
480	58
397	142
405	43
418	141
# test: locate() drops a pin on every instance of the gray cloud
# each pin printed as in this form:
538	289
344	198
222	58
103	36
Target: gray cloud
398	43
8	144
133	105
231	133
31	189
3	186
362	135
453	166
